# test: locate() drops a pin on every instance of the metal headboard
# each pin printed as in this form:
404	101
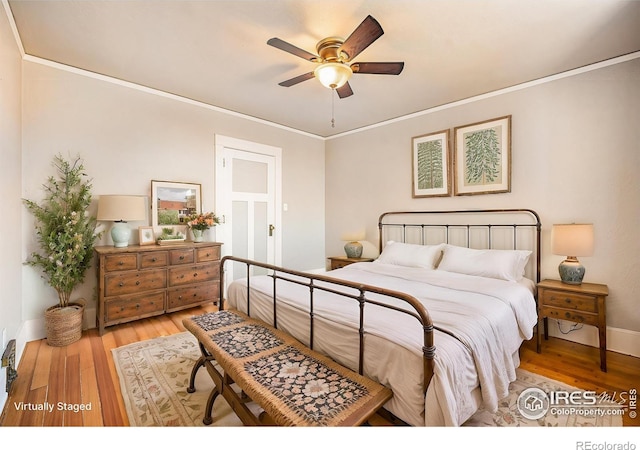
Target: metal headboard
431	227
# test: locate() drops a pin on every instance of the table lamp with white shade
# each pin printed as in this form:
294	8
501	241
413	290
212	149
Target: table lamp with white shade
572	240
353	248
121	209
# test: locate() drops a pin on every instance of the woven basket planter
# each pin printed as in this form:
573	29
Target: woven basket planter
64	324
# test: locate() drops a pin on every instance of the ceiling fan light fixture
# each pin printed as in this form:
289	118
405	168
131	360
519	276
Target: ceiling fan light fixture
333	75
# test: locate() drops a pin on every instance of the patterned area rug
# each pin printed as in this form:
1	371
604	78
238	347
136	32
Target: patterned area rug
154	376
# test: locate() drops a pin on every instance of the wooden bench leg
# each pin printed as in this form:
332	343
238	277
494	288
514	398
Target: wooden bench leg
208	412
199	363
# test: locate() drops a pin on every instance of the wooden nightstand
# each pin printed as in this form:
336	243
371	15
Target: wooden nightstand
583	303
340	261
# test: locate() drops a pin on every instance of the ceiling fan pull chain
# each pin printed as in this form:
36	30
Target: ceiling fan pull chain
333	100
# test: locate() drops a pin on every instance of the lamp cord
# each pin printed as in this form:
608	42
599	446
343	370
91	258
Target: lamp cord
574	327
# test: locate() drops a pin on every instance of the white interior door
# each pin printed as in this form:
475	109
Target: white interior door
248	199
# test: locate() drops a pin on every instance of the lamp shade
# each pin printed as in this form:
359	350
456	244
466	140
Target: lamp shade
121	208
353	236
333	75
572	239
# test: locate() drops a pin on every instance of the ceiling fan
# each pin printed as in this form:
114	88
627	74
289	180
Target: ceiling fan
335	58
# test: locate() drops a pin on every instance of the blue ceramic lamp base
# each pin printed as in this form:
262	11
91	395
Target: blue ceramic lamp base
571	271
120	233
353	249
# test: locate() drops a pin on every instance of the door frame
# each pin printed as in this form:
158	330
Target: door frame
221	183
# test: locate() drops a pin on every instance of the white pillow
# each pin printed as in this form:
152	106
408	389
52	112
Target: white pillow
502	264
410	255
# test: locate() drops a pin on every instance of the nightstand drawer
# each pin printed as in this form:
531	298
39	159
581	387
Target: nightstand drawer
339	264
569	315
570	300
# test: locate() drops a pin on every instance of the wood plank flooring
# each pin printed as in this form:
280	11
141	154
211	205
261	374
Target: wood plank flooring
84	373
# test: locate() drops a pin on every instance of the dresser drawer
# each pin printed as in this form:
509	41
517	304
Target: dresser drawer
182	256
128	261
193	274
570	300
131	282
135	306
569	315
153	259
208	254
180	297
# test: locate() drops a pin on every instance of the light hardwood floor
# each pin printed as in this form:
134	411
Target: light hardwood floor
84	373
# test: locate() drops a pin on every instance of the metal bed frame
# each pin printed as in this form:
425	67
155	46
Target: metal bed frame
361	293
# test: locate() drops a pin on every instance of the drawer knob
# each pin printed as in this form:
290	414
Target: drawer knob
195	295
154	259
567	300
195	274
137	305
121	284
121	308
138	283
121	263
179	297
181	257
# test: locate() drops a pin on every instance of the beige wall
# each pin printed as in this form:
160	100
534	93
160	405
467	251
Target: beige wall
575	153
10	182
128	137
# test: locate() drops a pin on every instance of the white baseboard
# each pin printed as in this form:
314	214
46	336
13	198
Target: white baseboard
619	340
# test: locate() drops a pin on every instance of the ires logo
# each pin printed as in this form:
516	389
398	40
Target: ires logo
534	403
576	398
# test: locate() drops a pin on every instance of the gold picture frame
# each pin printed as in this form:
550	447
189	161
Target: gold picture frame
482	157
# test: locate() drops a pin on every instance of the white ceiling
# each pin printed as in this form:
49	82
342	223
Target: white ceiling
215	51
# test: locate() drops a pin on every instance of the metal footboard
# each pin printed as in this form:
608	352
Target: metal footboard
362	295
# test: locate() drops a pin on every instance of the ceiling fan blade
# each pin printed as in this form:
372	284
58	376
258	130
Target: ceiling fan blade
290	48
298	79
362	37
382	68
344	91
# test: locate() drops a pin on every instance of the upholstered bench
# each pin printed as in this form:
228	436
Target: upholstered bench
295	386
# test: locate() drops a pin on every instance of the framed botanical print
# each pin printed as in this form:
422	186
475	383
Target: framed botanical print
482	157
430	161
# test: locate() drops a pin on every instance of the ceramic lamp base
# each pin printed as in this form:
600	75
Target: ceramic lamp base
353	249
571	271
120	233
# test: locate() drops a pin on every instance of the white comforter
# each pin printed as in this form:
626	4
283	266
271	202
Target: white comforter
489	319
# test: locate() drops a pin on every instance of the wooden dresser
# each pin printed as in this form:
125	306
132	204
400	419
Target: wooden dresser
135	282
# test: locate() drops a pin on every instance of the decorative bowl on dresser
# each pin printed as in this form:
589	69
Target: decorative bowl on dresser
135	282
